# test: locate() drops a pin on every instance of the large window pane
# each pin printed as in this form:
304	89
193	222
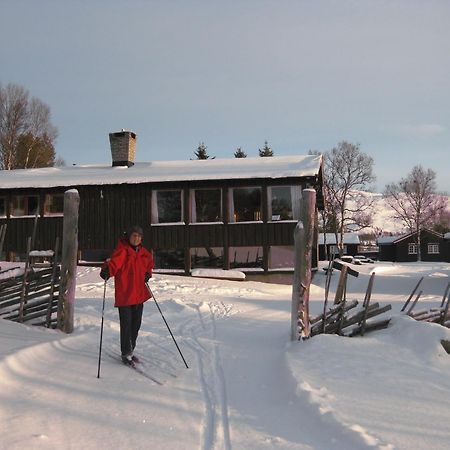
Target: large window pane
204	257
206	205
54	204
168	207
169	259
246	257
281	203
2	207
281	257
246	204
22	205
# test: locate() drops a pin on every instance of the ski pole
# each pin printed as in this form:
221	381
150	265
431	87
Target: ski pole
101	331
167	325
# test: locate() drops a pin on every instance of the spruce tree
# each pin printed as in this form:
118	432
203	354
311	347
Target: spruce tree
239	153
266	150
201	152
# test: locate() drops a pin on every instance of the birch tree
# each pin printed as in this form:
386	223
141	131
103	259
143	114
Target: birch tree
415	202
27	135
348	174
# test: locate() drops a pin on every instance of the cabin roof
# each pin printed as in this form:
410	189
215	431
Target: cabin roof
388	240
276	167
349	238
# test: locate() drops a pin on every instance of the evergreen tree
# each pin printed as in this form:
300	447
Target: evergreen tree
266	150
239	153
201	152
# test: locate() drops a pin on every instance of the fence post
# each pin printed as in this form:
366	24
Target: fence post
304	238
66	298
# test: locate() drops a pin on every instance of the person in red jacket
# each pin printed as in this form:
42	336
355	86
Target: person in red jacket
131	265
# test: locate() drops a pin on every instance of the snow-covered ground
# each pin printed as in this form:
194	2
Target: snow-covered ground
247	387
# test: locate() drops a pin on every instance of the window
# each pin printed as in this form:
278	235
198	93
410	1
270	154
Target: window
169	259
412	248
245	204
24	205
246	257
2	207
433	249
206	205
284	202
281	257
204	257
334	250
54	204
167	206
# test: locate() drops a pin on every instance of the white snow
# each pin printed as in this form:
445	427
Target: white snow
247	387
219	273
158	171
42	253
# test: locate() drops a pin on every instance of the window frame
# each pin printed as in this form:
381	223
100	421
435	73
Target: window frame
412	248
154	208
193	202
25	198
433	248
52	214
232	209
270	214
5	205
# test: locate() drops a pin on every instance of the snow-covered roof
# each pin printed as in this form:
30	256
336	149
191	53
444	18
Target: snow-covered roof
447	236
160	171
386	240
349	238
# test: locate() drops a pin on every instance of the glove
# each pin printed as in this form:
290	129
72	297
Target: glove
147	276
104	273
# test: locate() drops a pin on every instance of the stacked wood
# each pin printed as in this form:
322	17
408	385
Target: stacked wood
31	297
342	318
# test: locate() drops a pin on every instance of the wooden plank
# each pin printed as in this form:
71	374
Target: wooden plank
341	285
414	303
411	295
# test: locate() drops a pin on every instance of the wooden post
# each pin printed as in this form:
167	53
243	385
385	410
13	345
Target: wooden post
342	283
2	237
303	237
23	294
66	298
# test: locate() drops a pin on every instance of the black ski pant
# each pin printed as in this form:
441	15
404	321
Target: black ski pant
130	322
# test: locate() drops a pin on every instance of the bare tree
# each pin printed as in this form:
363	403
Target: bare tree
27	135
348	174
415	202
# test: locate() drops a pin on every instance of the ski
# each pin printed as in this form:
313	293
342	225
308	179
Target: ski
135	367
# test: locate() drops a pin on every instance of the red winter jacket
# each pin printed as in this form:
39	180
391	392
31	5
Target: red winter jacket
128	267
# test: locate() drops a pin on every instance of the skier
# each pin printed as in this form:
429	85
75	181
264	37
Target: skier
131	265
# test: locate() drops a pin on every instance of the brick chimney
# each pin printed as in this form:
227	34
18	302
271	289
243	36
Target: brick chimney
123	148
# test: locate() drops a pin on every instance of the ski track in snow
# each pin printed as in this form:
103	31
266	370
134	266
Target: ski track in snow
215	427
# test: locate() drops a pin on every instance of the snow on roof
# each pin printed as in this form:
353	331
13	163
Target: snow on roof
386	240
159	171
349	238
447	236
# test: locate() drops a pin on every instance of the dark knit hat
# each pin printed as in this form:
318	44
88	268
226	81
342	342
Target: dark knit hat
135	229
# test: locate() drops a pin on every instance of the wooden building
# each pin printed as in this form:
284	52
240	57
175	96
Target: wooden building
404	248
350	240
221	213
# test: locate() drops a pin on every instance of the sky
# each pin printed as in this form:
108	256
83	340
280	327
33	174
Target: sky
303	75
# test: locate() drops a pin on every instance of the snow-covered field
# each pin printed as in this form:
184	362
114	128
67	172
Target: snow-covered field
247	387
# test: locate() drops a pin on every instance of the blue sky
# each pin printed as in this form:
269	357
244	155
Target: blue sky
301	74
